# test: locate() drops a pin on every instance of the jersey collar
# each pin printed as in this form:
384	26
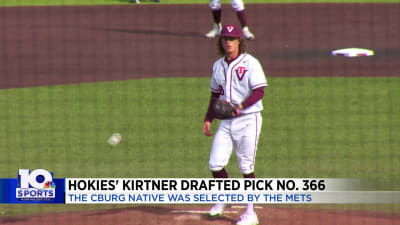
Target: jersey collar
230	61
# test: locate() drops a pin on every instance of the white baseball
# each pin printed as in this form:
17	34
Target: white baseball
115	139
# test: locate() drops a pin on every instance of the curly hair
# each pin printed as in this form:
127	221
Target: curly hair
221	50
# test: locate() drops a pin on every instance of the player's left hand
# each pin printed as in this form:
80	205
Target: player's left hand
226	110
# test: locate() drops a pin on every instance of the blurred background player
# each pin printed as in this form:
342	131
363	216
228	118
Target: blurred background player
238	6
238	78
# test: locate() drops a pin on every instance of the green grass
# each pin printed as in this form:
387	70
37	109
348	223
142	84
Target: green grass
324	127
112	2
65	128
334	127
313	127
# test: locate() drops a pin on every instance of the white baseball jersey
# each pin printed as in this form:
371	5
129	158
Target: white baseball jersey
235	82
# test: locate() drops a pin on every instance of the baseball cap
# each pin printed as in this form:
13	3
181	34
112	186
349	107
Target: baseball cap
231	31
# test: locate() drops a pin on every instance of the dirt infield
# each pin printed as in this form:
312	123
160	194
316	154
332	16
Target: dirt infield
58	45
61	45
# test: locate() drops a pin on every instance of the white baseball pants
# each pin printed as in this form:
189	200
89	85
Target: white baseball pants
241	134
237	5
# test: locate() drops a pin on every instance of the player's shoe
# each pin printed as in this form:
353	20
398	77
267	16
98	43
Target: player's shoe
215	31
216	210
247	34
248	218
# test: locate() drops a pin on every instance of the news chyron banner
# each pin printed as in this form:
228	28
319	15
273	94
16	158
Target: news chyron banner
229	191
40	186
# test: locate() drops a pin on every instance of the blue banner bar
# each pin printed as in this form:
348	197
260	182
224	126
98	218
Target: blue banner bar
9	187
2	191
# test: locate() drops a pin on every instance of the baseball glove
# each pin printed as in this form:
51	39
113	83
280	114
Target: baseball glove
225	110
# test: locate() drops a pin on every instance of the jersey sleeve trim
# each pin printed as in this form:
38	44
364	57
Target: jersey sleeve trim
258	85
214	90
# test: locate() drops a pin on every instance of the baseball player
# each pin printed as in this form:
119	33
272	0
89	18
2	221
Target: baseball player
239	79
238	6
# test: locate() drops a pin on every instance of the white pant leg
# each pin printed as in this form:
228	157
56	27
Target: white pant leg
246	134
221	149
237	5
215	4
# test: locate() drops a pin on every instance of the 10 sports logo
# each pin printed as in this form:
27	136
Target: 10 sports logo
36	185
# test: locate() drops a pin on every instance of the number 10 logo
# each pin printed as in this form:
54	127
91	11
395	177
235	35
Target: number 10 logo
36	179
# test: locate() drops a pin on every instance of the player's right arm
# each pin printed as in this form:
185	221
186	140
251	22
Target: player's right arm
209	116
215	93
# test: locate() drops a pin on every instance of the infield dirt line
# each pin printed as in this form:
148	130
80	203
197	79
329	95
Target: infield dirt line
75	44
